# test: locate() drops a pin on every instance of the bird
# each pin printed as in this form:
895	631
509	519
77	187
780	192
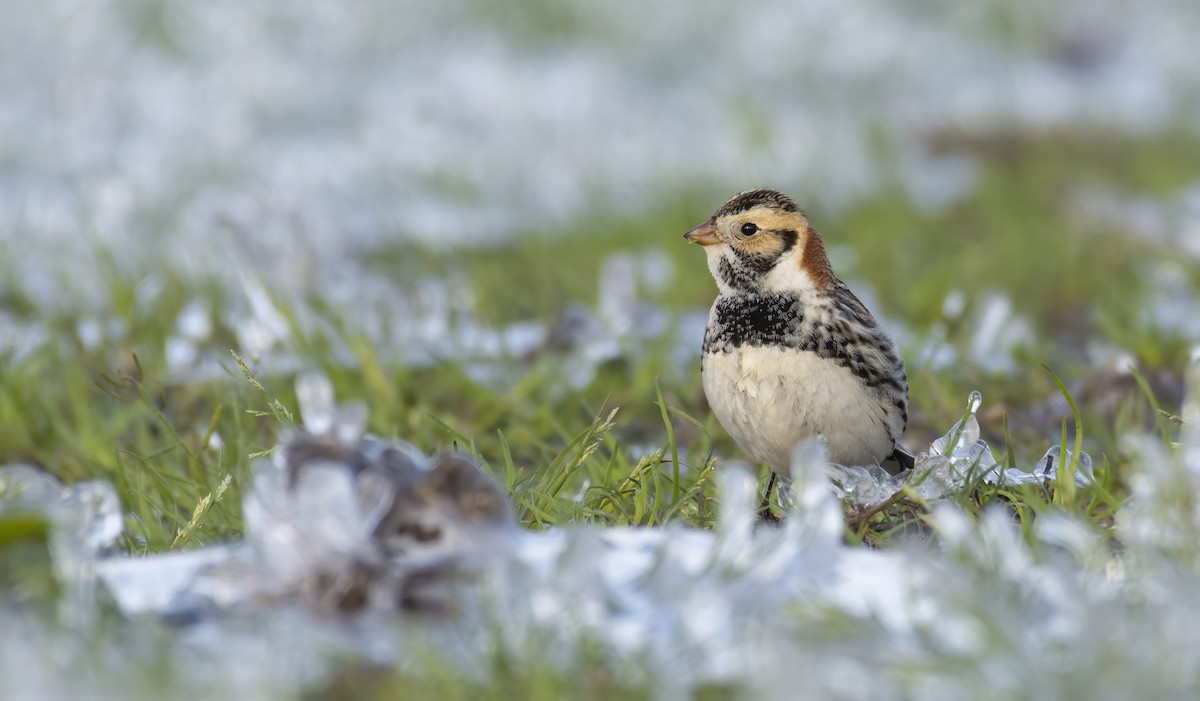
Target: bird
790	353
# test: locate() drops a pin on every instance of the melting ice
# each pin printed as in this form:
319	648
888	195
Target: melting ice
338	524
952	462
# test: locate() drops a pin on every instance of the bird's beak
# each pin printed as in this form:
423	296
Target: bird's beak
705	234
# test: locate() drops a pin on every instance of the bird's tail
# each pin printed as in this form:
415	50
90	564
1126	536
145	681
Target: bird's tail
899	461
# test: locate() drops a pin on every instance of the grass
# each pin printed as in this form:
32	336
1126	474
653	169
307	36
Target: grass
115	412
636	445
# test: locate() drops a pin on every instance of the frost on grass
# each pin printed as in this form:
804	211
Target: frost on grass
366	550
344	523
439	321
210	154
244	145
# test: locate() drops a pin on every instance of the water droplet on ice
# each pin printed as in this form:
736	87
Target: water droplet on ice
974	400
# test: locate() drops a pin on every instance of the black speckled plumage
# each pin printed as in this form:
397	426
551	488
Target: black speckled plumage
835	327
755	319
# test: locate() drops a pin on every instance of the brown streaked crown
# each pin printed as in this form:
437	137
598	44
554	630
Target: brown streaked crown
744	201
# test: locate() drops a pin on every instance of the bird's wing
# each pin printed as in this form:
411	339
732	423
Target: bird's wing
854	305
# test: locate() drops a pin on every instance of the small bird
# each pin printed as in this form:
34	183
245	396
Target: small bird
789	352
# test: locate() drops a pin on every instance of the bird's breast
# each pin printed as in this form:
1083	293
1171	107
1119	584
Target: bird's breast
770	397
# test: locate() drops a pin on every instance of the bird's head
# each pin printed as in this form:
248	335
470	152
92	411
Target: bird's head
759	241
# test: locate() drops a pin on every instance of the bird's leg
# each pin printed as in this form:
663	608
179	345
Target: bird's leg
764	509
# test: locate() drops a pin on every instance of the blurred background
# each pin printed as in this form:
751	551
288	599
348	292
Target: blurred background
472	210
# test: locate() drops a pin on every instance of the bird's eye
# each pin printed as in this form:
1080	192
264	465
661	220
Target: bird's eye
749	229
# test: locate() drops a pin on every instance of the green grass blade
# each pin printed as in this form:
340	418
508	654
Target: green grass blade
1066	473
662	405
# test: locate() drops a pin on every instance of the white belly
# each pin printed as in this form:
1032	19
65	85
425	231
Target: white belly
769	399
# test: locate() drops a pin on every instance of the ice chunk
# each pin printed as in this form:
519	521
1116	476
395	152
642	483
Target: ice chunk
88	514
816	515
864	486
312	523
1074	536
1161	515
85	518
93	511
314	394
22	486
941	471
618	293
1047	469
451	509
193	327
998	332
963	436
154	584
953	458
954	304
350	421
337	521
735	522
373	523
266	326
180	352
195	321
